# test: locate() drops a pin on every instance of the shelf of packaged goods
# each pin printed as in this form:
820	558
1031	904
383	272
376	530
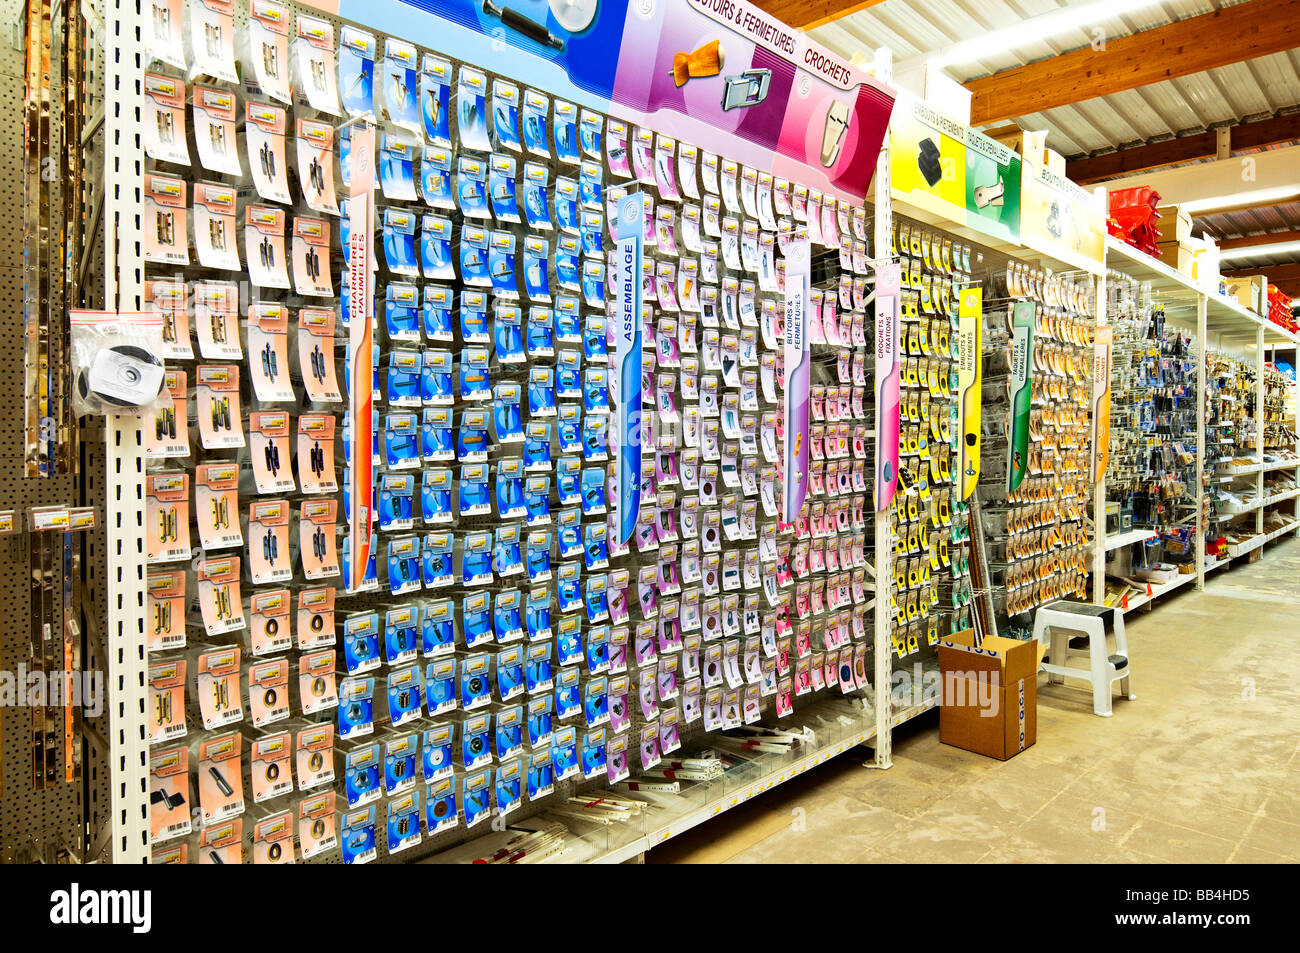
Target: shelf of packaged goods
1282	465
1234	472
1282	497
1156	590
1129	538
904	715
670	815
965	233
1242	548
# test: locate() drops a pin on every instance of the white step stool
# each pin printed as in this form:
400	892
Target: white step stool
1053	624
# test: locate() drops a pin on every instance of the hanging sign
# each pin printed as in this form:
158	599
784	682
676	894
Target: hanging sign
1101	401
970	331
627	421
888	278
1022	348
798	370
361	213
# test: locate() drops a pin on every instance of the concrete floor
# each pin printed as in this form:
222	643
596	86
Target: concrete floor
1204	766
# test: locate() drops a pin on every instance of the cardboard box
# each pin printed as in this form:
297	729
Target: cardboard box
1175	225
1019	140
990	694
1177	255
1251	291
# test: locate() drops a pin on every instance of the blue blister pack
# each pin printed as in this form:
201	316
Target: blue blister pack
541	774
595	390
401	441
590	136
396	169
541	333
404	566
401	757
436	560
568	694
435	96
501	265
436	436
400	85
595	549
402	309
435	179
534	127
508	739
595	439
593	491
471	116
475	685
589	189
541	392
435	496
508	789
508	334
472	437
398	242
568	323
568	480
476	560
435	379
436	743
505	115
437	313
595	702
568	266
569	428
396	501
476	797
510	489
476	734
536	189
435	248
405	699
597	645
537	446
471	187
362	774
507	617
507	415
475	383
593	754
356	709
569	531
566	206
357	837
537	278
538	558
476	620
541	710
474	256
568	377
595	344
593	283
440	806
501	189
437	629
507	558
592	225
356	66
440	694
568	592
564	750
537	675
565	125
361	643
473	498
537	613
537	500
404	369
403	826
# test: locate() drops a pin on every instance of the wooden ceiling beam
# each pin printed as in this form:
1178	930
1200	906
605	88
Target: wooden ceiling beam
1233	34
806	14
1250	241
1247	135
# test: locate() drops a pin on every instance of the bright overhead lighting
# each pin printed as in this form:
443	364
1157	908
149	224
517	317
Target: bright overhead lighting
1258	197
1254	251
1034	30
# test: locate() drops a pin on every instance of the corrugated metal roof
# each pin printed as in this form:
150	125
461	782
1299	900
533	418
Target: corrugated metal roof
1234	93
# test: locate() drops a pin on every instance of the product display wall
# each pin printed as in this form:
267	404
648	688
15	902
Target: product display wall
504	643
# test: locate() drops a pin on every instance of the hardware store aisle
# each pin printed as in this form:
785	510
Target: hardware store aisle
1203	767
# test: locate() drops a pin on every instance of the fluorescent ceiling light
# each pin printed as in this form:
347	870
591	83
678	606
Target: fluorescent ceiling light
1258	197
1255	251
1034	30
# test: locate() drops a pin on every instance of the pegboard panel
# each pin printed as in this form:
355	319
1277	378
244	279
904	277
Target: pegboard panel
32	823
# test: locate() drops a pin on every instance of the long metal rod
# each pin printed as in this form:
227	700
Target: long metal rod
1203	346
36	367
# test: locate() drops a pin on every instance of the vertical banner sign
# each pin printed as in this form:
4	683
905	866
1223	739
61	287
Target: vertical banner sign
888	279
798	371
1101	401
627	420
970	333
1022	348
361	213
